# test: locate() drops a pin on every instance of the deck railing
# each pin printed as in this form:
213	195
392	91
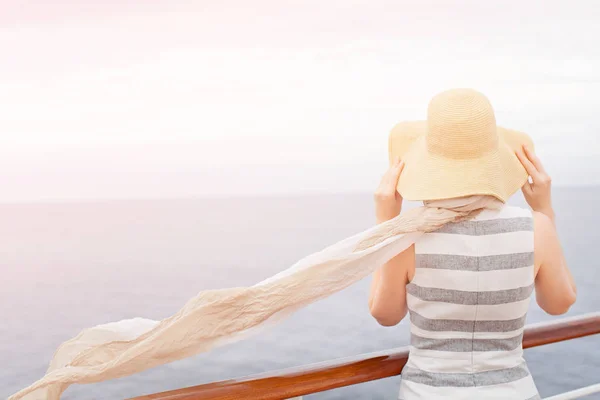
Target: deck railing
290	383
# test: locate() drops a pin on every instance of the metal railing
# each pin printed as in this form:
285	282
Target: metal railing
295	382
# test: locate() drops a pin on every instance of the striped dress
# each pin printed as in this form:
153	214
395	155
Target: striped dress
467	302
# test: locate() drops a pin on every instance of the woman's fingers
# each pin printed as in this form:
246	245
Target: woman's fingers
529	167
396	174
534	159
389	181
527	189
538	190
386	177
388	201
390	178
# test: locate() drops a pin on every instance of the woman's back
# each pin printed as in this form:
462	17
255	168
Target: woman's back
467	285
468	302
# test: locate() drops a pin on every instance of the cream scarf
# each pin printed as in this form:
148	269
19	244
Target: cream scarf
216	317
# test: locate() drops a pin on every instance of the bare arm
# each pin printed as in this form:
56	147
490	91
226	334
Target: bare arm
387	301
554	285
387	297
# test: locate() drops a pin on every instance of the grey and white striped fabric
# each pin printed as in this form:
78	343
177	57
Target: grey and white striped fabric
467	302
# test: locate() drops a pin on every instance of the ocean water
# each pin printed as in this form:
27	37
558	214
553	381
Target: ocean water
65	267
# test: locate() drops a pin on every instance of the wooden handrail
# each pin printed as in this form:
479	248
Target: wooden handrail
349	371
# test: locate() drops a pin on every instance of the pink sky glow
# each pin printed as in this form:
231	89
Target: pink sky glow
152	99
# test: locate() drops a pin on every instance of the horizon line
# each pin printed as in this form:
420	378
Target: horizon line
220	196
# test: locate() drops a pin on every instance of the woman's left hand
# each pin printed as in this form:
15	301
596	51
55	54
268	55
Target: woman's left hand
388	201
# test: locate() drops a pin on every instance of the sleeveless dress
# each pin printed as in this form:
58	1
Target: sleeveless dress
467	302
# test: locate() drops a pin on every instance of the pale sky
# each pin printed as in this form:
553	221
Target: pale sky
122	99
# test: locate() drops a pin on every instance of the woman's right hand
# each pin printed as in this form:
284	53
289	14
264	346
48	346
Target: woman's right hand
537	193
555	289
388	201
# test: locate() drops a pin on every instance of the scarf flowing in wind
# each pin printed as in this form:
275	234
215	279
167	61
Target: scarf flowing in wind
217	317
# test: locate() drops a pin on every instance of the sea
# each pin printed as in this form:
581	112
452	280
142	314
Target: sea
66	266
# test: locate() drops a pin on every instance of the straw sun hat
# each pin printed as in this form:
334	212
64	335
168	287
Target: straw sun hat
459	151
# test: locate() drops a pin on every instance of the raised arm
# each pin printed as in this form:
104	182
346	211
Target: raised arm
387	297
554	285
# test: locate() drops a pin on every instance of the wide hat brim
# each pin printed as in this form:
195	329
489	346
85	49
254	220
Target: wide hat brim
427	176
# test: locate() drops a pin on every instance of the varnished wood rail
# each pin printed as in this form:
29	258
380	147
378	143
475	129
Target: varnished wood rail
314	378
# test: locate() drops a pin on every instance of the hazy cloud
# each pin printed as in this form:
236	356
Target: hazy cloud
130	99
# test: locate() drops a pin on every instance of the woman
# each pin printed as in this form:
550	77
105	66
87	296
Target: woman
467	285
